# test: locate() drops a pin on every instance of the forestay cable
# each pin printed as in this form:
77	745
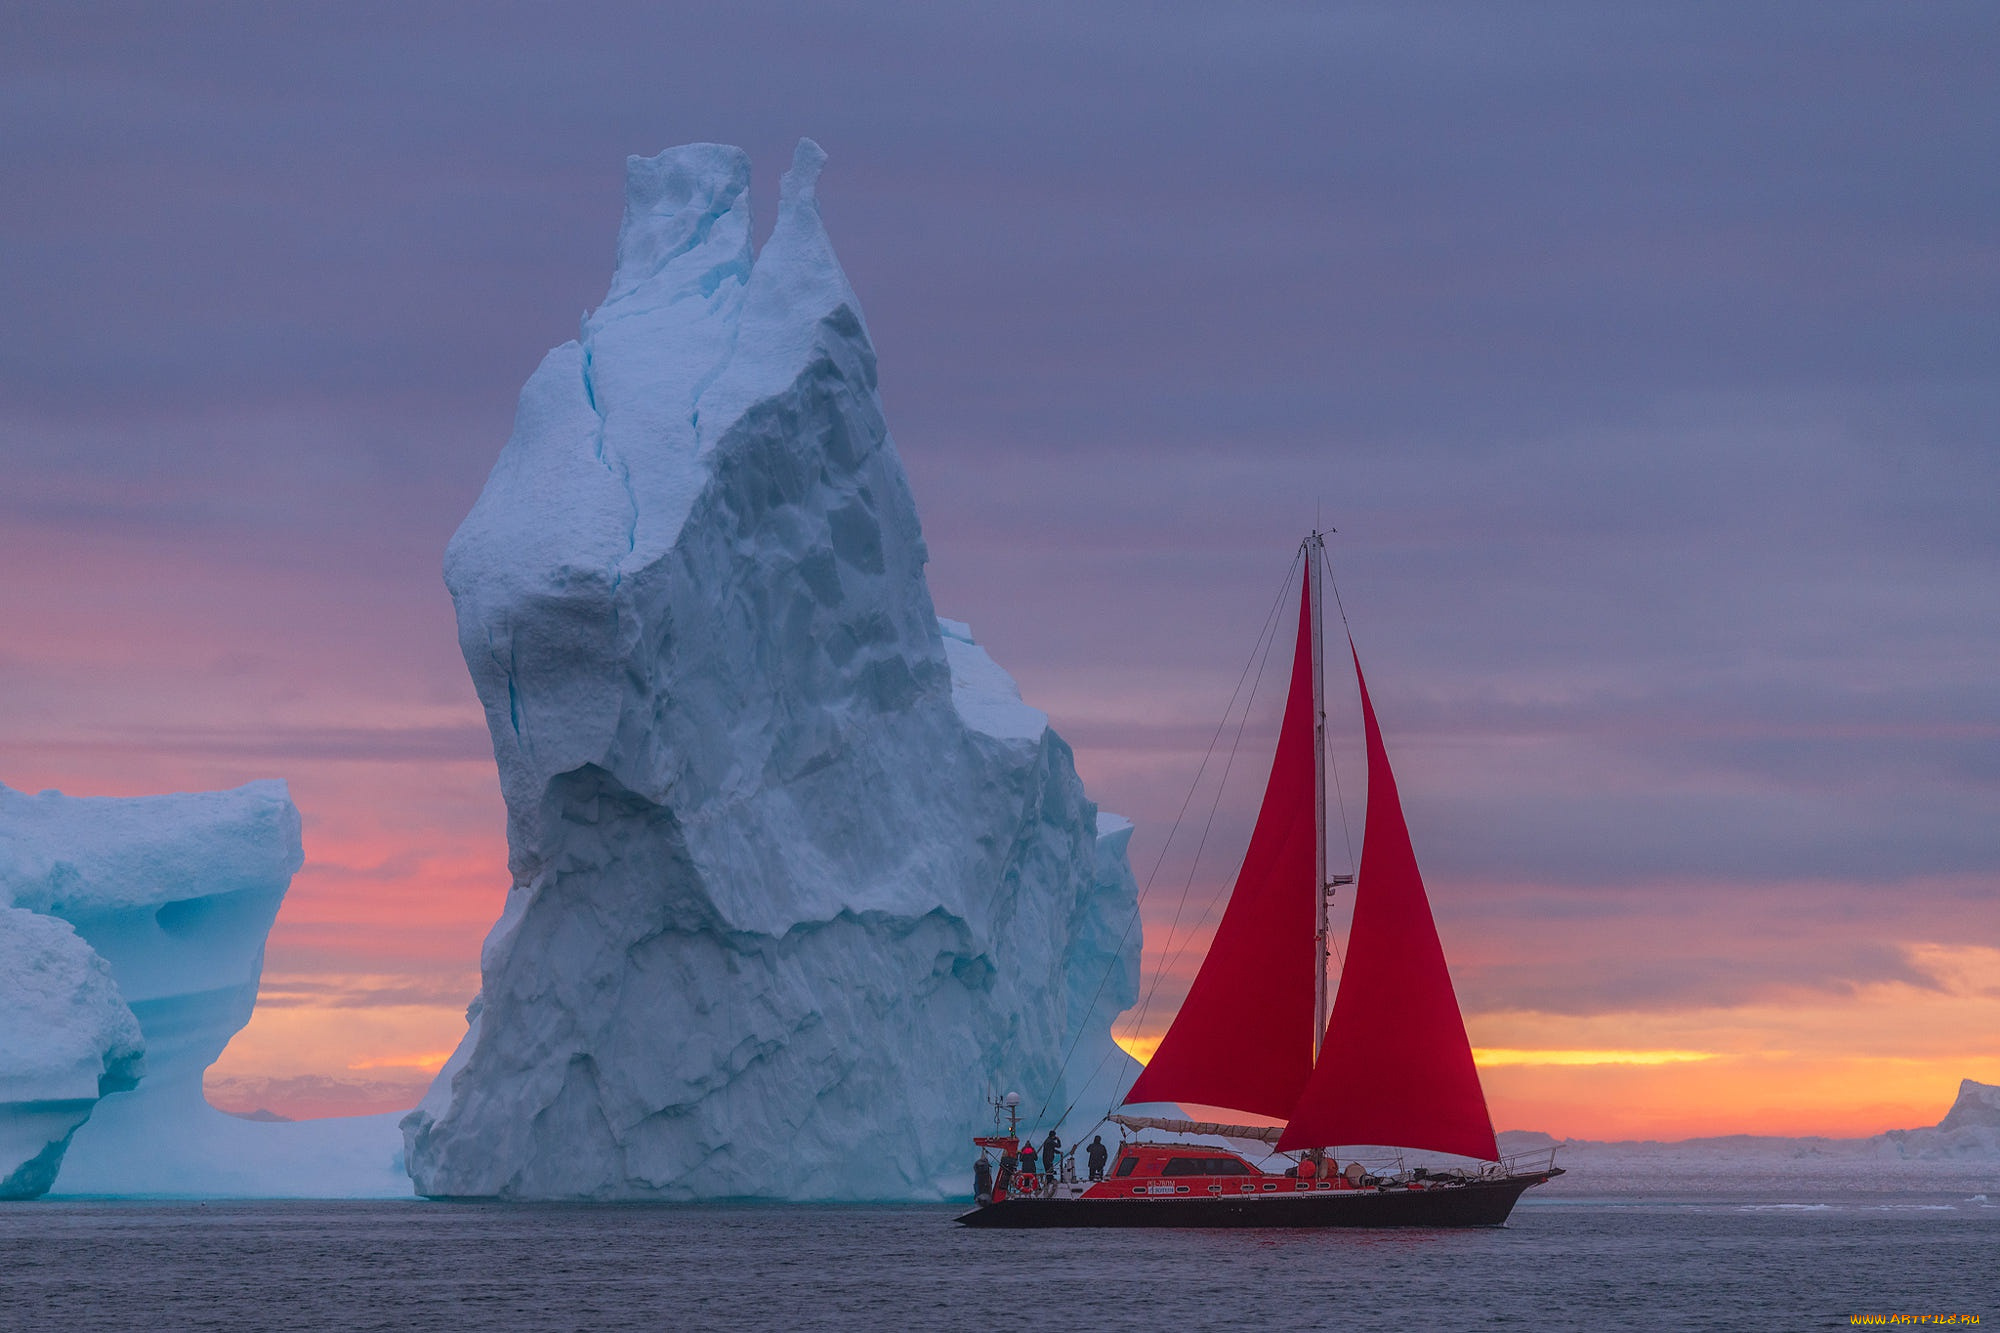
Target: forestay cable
1259	657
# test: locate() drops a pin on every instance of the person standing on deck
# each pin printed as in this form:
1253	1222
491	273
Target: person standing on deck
1052	1156
1098	1155
982	1180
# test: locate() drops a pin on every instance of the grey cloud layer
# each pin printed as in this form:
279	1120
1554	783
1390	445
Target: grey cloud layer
1644	356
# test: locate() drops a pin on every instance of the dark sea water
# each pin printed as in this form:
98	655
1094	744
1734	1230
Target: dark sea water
1649	1250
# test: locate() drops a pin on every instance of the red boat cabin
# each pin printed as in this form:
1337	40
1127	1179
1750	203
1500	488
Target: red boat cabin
1192	1171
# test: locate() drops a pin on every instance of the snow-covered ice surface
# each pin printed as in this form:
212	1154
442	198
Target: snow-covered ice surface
797	877
172	897
66	1039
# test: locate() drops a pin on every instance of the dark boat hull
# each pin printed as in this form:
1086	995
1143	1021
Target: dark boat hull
1484	1203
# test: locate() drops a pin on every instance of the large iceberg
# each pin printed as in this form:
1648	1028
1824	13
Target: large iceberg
798	880
171	898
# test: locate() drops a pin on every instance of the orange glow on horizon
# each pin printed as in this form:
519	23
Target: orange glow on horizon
1887	1055
1140	1048
1494	1057
428	1061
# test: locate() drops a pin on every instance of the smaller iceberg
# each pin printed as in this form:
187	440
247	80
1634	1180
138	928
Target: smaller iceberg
1969	1130
67	1040
159	906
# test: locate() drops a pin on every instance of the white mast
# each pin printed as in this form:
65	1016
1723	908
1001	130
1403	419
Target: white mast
1315	558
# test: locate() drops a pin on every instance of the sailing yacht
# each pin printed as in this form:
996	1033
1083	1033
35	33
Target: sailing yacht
1389	1066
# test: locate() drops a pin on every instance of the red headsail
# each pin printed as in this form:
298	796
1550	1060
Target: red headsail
1395	1068
1243	1038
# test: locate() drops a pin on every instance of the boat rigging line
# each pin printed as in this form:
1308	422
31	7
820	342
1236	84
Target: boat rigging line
1173	948
1260	652
1171	952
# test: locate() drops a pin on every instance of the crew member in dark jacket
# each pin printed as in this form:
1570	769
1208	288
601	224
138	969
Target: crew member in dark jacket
1098	1154
1028	1158
1052	1156
982	1180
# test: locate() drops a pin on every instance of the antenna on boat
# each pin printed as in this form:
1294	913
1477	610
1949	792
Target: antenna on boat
1009	1106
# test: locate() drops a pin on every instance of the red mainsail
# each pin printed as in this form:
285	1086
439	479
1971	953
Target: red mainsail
1243	1038
1395	1068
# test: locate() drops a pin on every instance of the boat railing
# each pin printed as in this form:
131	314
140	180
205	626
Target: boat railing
1526	1163
1375	1166
1397	1167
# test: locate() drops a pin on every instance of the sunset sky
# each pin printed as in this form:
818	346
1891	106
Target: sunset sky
1646	359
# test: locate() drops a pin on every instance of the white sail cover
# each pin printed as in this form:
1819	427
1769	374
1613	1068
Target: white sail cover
1256	1133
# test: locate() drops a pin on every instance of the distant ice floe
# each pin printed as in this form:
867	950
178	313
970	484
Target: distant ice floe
1969	1132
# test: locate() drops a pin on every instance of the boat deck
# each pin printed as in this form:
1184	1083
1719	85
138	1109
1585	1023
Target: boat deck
1479	1203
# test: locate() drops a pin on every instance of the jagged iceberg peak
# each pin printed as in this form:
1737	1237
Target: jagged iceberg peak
614	431
747	389
793	867
686	227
